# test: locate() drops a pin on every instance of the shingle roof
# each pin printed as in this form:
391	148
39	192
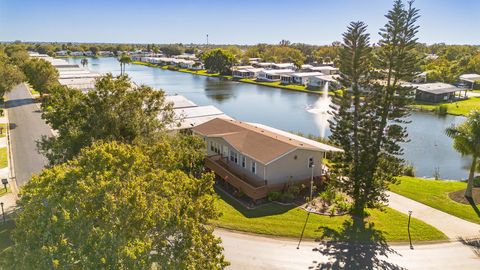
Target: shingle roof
261	143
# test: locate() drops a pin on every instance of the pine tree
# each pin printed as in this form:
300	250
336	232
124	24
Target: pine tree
369	116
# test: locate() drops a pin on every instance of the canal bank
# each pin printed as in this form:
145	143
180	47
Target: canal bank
429	149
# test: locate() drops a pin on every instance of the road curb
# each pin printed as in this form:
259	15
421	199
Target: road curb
11	165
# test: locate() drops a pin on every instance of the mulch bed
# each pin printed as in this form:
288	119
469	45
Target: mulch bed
459	196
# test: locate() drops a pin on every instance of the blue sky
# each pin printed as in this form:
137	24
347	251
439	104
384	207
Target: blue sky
226	22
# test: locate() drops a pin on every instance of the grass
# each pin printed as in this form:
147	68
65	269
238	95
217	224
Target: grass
3	157
434	193
288	221
462	107
5	232
295	87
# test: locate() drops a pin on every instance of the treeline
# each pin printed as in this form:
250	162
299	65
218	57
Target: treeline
16	67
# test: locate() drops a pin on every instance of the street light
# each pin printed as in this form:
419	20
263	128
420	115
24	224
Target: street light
5	182
409	237
311	183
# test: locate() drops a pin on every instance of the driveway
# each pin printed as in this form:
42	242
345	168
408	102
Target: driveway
26	127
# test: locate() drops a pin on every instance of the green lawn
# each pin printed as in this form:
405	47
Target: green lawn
5	231
294	87
456	108
3	157
434	193
288	221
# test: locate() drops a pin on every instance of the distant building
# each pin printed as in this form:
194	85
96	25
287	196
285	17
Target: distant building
470	79
247	73
273	74
327	70
257	159
61	53
438	92
283	66
321	80
76	53
301	78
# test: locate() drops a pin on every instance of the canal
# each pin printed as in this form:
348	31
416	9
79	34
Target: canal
429	149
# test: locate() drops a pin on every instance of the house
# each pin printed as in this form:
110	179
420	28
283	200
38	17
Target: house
327	70
299	78
249	73
283	66
190	117
105	53
437	92
263	65
322	80
257	159
273	74
76	53
61	53
420	78
88	53
470	79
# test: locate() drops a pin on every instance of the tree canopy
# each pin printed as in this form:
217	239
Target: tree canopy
115	206
10	75
41	75
219	60
114	110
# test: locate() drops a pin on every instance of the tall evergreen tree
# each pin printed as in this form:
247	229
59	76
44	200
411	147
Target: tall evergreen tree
369	117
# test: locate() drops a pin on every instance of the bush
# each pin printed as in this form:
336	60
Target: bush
442	109
409	170
476	181
274	196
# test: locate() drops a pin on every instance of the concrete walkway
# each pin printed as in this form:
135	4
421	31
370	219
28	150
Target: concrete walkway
451	226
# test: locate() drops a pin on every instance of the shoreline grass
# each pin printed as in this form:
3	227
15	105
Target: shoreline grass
458	108
203	72
288	221
3	157
434	193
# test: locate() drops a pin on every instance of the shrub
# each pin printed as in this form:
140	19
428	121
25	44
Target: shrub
409	170
274	196
476	181
442	109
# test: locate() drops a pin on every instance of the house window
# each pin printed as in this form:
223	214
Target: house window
244	162
232	158
310	162
211	146
254	167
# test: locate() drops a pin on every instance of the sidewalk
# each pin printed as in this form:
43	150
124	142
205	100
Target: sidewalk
453	227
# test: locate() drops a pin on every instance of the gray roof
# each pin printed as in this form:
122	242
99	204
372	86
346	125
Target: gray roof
437	88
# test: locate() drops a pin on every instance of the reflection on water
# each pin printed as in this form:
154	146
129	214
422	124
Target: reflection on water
294	111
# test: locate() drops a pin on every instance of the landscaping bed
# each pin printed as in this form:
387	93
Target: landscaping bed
435	193
288	221
459	196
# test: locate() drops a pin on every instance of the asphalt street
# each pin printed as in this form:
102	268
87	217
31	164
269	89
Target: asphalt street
26	127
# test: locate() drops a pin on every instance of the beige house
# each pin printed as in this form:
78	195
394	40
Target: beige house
257	159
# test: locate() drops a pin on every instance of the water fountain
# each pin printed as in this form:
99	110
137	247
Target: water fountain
321	109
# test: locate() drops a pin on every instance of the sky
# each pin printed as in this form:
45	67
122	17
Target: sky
226	22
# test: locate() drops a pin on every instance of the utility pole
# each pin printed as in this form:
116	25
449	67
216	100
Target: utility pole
207	40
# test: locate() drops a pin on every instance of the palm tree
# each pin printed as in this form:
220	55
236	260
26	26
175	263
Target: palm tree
124	59
466	140
84	62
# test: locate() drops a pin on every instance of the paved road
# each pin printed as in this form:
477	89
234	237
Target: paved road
451	226
257	252
27	127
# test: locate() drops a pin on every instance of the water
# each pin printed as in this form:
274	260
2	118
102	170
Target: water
429	148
